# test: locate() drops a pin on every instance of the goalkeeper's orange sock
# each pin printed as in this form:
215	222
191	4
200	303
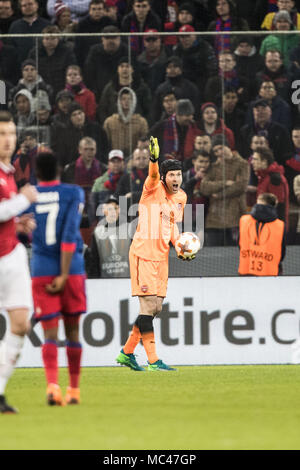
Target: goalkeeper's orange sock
133	340
145	323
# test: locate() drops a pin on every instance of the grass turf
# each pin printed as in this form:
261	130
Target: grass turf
229	407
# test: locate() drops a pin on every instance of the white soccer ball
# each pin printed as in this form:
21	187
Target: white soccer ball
187	244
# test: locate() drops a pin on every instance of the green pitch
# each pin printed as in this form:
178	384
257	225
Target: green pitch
230	407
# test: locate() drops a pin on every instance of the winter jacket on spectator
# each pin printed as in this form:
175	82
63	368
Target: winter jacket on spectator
181	87
281	79
124	131
249	65
200	130
130	24
84	43
9	66
199	62
153	73
277	135
282	43
174	140
272	180
65	141
53	68
101	66
109	99
281	112
85	97
25	44
227	215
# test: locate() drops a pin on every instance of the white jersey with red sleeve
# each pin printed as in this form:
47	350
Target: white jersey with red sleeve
11	204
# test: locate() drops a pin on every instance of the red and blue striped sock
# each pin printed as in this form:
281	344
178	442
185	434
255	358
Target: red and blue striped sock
49	355
74	351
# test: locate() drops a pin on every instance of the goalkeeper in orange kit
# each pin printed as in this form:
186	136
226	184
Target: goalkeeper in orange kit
160	207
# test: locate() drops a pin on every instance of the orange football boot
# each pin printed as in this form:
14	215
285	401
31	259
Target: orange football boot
54	395
72	396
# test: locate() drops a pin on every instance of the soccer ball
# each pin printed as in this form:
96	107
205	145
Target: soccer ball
187	244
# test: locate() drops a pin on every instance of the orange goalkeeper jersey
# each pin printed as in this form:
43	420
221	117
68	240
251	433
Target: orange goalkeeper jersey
158	213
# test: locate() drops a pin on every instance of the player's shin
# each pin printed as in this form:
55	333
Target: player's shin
145	323
49	355
10	351
133	340
74	352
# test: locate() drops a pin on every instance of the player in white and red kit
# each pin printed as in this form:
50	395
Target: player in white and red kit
15	286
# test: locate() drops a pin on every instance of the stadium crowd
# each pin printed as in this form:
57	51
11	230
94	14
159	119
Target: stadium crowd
225	105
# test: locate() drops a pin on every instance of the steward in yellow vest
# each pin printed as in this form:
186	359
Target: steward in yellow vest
261	239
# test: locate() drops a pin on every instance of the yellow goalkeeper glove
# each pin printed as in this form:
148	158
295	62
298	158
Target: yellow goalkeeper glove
154	149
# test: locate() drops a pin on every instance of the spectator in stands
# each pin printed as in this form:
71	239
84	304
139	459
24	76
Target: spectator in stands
271	179
269	22
186	16
24	110
226	20
175	82
43	122
126	76
112	11
81	94
106	184
275	70
169	102
209	124
7	15
292	164
257	141
248	60
293	237
32	82
131	182
198	57
65	141
140	19
282	43
24	160
173	133
153	60
227	77
233	112
124	128
281	111
63	101
143	143
64	22
107	256
83	172
202	143
53	57
94	22
102	60
79	8
30	23
192	178
263	124
225	185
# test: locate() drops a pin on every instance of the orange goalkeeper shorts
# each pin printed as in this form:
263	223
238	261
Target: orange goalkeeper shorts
148	277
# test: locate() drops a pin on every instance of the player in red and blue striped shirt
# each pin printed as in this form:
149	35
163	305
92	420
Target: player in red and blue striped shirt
57	270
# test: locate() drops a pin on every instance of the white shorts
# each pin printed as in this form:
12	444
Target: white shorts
15	281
